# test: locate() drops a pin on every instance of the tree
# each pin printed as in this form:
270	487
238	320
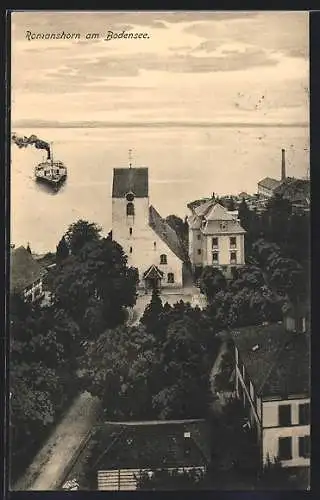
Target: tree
287	277
244	215
118	368
151	315
278	215
81	232
37	360
212	281
62	250
181	228
94	286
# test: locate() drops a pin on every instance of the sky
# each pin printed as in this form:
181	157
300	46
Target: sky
195	68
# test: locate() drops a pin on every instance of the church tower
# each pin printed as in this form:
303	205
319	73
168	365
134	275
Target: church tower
130	210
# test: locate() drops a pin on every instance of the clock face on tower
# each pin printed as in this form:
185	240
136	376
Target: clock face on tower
130	197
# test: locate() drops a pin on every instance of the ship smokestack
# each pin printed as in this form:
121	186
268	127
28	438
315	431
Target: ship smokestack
33	140
283	164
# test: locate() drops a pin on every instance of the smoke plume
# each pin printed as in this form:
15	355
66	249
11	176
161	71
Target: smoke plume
24	142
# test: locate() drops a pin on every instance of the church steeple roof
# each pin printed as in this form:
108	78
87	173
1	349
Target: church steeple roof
130	180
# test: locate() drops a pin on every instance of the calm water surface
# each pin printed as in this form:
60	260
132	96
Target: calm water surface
184	163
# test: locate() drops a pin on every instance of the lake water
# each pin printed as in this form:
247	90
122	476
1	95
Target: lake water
184	164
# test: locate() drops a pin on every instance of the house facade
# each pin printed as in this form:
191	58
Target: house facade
272	380
26	275
151	245
216	238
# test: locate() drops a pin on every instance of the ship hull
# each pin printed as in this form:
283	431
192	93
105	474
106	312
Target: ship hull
53	183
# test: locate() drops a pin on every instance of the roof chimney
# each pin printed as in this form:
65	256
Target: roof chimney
213	196
283	164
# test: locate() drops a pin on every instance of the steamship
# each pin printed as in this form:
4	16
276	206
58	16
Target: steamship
51	172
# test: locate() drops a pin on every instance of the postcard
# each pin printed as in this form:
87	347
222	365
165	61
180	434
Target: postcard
159	250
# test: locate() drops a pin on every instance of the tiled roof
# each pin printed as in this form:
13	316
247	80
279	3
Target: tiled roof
230	226
202	209
218	213
150	446
127	180
269	183
165	232
277	361
24	270
194	222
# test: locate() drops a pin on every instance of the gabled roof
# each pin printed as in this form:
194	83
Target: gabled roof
277	361
153	272
232	226
24	270
166	233
204	207
269	183
149	445
127	180
218	212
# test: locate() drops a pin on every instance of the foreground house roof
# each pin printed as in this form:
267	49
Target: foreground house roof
165	233
277	361
133	180
24	269
269	183
150	445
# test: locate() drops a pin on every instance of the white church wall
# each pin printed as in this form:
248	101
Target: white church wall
142	245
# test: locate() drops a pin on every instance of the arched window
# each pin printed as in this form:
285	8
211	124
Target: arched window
163	259
170	278
154	245
130	250
130	208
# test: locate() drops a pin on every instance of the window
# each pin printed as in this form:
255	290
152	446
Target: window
199	251
304	446
163	259
233	242
130	208
285	448
154	245
199	237
233	257
130	249
215	257
223	226
284	412
130	231
214	242
304	414
170	278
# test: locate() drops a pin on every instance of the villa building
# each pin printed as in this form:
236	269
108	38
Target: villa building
216	237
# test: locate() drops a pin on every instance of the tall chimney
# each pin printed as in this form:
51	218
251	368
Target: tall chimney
283	165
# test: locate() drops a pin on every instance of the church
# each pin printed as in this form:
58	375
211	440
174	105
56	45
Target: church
151	245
